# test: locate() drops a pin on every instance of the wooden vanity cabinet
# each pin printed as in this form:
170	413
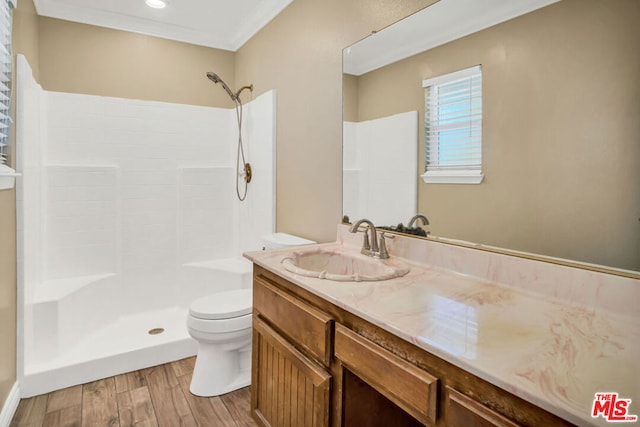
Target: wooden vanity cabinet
315	364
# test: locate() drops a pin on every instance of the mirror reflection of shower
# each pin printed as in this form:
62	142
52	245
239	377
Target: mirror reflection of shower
240	159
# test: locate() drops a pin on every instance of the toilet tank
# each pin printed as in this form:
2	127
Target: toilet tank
283	240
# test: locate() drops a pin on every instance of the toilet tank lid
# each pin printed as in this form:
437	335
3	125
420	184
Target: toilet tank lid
283	240
223	305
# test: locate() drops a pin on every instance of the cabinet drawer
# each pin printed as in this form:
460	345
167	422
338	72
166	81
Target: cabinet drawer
307	327
408	386
463	411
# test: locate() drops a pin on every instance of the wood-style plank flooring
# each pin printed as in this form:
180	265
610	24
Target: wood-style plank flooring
157	396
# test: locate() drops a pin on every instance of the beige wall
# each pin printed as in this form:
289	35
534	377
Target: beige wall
7	293
300	55
350	99
25	40
81	58
560	132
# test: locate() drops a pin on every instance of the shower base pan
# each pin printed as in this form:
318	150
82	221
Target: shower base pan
123	346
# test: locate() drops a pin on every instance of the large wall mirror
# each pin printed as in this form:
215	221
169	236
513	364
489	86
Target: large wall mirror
560	126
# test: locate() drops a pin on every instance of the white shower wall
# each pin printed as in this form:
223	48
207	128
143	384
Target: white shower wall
380	169
120	198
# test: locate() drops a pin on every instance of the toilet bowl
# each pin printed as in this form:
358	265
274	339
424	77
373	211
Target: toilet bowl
221	323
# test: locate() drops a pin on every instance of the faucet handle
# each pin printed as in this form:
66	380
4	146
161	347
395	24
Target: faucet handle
366	246
384	254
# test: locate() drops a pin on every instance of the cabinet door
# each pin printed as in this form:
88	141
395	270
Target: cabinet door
288	389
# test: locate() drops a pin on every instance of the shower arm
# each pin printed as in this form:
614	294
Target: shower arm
237	95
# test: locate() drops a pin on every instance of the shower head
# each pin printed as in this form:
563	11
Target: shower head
216	79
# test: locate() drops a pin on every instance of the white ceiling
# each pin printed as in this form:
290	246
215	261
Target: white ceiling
214	23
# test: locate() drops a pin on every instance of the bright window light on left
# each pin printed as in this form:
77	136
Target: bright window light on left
156	4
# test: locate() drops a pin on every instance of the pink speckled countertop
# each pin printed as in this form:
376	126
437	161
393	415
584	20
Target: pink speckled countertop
555	353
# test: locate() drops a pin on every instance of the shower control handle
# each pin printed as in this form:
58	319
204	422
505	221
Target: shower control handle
248	174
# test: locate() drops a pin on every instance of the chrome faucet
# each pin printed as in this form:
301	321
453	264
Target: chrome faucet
374	249
421	217
367	249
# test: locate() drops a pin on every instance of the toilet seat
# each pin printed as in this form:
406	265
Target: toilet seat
205	329
223	305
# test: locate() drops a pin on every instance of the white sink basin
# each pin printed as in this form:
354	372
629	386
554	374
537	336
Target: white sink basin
344	267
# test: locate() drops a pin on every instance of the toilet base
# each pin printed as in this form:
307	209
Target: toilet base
218	371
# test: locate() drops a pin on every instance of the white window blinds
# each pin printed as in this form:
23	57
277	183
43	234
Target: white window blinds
5	78
453	127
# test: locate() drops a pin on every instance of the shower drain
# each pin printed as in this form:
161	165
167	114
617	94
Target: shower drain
156	331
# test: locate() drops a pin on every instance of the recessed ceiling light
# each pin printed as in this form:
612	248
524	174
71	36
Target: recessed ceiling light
156	4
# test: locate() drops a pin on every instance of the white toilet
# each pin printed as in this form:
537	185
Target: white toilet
221	323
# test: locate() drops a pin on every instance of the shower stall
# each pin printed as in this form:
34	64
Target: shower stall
127	212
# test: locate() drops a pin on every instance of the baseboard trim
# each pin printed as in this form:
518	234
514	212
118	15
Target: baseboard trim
10	406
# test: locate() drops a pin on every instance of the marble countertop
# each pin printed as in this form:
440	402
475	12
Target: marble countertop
552	353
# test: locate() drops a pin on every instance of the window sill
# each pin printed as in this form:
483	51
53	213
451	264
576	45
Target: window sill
7	177
452	177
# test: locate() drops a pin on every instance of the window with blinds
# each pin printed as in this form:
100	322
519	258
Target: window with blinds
453	127
5	78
